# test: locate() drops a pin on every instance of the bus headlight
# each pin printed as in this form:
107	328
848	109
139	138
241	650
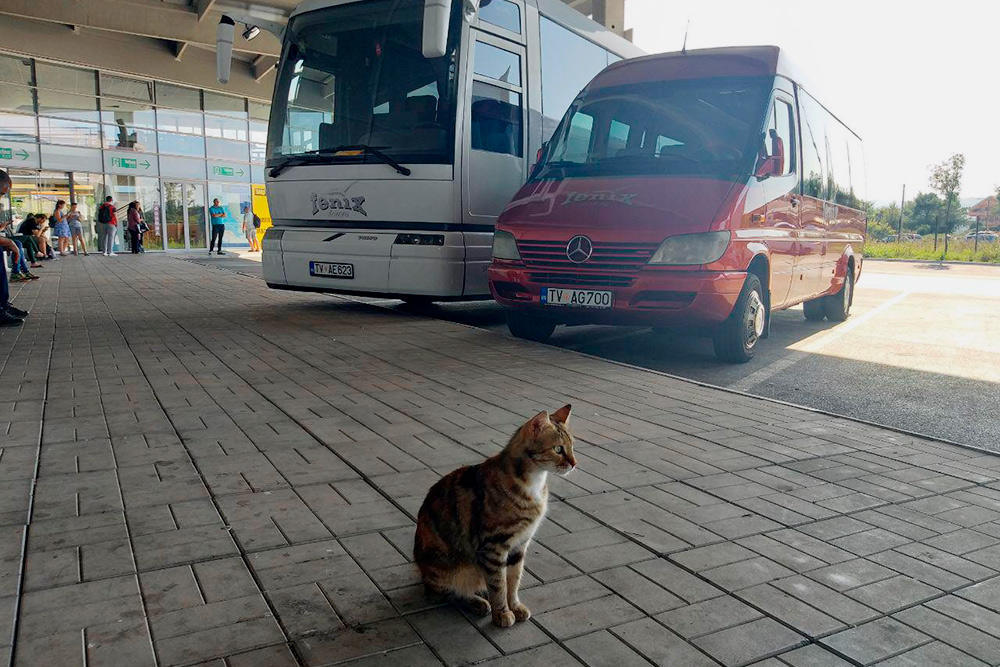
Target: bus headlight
689	249
505	246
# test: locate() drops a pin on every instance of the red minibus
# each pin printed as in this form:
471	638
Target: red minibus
700	189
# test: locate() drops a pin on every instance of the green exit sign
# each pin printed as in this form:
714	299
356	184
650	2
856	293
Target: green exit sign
10	153
129	163
227	171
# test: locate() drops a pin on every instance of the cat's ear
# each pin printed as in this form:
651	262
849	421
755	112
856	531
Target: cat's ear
536	423
562	415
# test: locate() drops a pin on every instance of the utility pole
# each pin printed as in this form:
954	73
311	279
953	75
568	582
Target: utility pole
902	203
937	223
947	226
976	248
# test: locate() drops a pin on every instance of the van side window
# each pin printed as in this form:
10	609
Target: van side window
784	123
577	145
813	147
617	138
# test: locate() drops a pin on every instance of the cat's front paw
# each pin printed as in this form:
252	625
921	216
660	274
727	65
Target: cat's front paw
478	606
504	618
521	612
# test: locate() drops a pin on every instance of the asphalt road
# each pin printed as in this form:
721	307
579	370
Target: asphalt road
921	350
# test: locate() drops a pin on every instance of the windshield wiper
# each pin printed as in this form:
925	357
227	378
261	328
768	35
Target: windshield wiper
311	157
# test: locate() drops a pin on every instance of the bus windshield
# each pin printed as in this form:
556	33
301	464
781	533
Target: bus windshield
703	127
354	75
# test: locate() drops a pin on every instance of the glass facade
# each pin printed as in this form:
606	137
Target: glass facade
81	134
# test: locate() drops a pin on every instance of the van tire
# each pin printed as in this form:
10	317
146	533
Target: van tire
815	309
529	327
736	339
838	306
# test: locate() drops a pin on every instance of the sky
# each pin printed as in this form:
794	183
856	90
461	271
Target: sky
916	81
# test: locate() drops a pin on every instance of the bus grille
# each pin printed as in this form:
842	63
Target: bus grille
625	257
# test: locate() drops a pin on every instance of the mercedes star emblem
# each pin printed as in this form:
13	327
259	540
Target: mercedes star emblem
579	249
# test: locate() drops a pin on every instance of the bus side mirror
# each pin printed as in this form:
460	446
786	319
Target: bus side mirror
436	18
224	35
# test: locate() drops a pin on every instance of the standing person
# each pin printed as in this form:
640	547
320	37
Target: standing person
250	228
109	217
134	234
218	225
60	227
73	219
9	315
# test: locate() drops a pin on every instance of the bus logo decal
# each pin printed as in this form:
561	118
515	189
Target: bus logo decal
579	249
337	202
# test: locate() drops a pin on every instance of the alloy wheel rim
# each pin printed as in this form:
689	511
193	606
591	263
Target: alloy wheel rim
753	320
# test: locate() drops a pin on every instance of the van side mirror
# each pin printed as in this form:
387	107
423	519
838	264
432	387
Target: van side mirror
773	164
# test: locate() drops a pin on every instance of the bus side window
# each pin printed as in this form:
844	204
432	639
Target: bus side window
496	119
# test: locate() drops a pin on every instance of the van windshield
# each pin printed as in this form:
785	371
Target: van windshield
702	127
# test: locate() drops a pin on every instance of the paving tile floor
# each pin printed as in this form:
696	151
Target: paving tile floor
195	470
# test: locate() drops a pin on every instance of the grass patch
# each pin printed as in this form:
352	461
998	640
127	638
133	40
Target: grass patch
958	251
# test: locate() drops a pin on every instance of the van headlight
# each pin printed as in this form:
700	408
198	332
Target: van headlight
688	249
505	246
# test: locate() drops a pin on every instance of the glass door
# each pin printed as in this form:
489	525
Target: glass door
146	191
184	215
194	196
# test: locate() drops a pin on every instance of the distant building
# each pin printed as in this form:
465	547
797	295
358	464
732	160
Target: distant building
985	211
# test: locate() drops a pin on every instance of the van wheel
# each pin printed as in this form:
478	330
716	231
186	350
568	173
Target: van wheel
815	309
736	339
529	327
838	306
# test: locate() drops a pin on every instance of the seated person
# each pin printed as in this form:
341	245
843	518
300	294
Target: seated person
34	227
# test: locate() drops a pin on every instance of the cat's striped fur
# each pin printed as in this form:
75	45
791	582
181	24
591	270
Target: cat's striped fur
475	524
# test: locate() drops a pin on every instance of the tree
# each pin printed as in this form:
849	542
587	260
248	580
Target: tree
946	178
922	212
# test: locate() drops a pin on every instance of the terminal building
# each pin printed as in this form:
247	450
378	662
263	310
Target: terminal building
120	98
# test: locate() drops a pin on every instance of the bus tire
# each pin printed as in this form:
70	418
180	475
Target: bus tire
529	327
815	309
838	306
736	339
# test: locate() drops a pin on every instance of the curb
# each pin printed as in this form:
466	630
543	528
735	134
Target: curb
929	261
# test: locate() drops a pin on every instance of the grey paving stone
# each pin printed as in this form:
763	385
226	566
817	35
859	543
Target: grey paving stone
640	591
891	595
706	617
968	639
935	654
603	649
682	584
791	611
563	593
812	655
875	641
744	574
659	645
748	643
452	636
585	617
851	574
551	655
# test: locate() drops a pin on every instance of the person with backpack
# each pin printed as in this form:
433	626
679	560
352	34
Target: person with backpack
251	223
106	215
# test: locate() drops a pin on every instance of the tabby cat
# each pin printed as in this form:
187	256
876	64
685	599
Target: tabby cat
476	522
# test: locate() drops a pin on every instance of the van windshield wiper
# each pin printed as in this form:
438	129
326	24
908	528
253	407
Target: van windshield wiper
310	157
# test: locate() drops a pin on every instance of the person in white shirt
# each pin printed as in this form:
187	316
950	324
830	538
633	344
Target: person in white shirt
250	229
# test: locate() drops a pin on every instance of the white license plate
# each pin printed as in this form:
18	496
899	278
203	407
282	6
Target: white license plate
582	298
331	270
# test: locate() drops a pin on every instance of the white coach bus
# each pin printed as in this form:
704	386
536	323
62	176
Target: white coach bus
401	128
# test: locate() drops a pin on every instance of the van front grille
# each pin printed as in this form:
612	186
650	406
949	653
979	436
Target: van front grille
581	279
628	257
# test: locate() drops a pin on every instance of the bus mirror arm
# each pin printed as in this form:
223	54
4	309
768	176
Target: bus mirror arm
225	35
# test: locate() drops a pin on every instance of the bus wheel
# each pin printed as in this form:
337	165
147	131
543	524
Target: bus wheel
815	310
838	306
529	327
736	339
